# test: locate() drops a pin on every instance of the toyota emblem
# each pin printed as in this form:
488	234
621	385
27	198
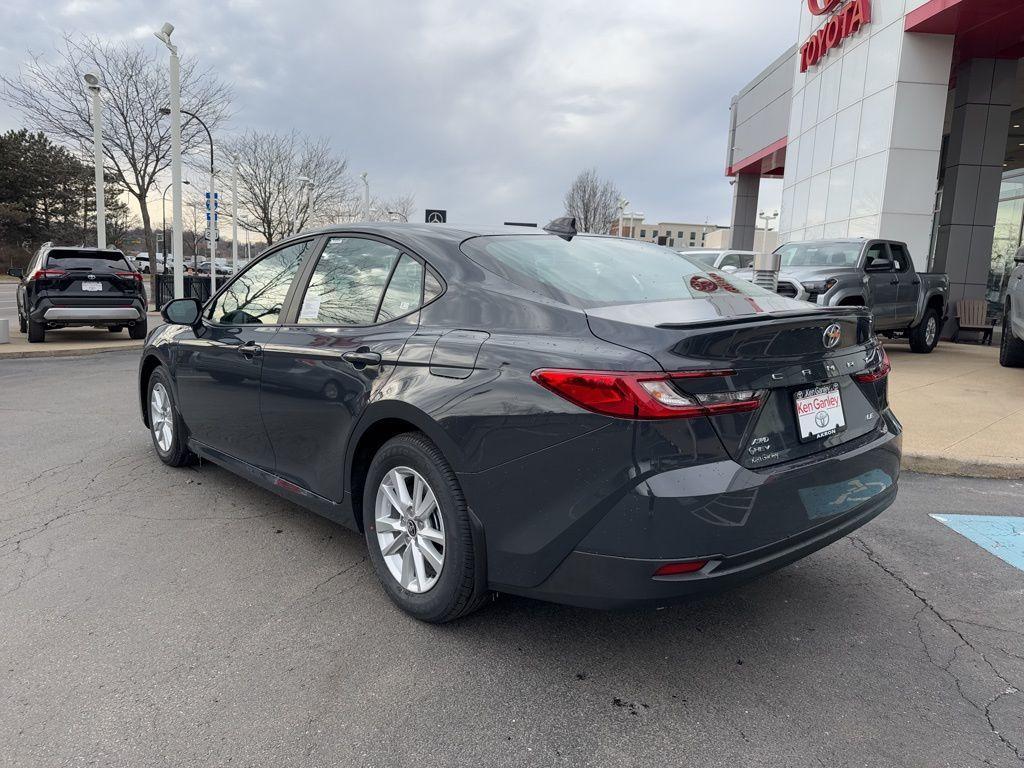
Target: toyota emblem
832	336
92	277
821	419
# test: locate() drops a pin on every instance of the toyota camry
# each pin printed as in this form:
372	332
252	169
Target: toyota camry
581	419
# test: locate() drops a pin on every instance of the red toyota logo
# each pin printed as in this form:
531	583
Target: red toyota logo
821	7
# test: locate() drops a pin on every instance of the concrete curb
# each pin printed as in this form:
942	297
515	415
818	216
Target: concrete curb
22	354
932	464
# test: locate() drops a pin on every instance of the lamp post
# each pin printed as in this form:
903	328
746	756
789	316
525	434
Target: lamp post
767	218
177	234
163	209
305	186
234	214
366	193
399	213
623	205
92	82
211	206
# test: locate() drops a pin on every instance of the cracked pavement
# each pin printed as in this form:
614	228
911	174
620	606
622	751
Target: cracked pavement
163	617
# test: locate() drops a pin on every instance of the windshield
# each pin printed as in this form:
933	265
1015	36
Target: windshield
67	258
708	259
820	254
590	271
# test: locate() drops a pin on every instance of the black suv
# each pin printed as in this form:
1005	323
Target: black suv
73	286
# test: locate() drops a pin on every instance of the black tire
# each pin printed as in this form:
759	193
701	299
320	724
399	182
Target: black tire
177	453
924	336
138	331
36	332
115	328
1011	349
461	586
22	325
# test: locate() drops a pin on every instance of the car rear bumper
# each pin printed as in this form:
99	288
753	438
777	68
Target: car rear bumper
601	513
92	313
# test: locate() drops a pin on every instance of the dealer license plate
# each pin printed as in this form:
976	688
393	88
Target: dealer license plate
92	286
819	412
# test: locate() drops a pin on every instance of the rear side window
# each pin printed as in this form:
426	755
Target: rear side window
405	291
70	259
600	271
900	257
348	282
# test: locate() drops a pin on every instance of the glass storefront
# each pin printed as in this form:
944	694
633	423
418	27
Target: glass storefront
1008	237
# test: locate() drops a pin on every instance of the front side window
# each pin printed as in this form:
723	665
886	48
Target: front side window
348	282
601	271
257	295
878	258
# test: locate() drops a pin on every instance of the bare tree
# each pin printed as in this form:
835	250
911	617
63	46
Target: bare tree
398	208
136	140
272	189
594	202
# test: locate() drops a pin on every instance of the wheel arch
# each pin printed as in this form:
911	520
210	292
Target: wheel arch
380	422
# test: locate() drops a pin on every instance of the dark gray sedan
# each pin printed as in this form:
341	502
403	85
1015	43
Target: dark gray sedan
581	419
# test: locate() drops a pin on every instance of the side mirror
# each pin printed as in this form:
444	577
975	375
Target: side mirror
17	272
729	269
182	311
879	265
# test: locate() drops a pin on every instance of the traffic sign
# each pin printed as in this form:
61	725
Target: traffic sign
435	216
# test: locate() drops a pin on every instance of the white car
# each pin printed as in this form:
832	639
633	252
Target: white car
142	260
1011	350
724	261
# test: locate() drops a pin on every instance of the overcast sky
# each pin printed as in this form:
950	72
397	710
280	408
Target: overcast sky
486	108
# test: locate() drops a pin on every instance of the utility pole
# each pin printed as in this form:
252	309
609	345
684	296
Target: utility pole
93	83
177	231
234	215
366	193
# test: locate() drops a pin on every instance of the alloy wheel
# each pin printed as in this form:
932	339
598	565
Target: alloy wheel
160	417
410	529
931	330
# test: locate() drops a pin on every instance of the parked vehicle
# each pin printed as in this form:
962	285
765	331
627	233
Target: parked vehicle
589	420
1011	348
222	268
144	263
726	261
74	286
878	274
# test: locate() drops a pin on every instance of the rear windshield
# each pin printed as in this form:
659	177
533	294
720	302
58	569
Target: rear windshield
707	259
820	254
601	271
68	258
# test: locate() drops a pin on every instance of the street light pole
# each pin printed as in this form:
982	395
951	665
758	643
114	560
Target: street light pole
93	83
366	193
305	187
177	235
767	218
234	214
623	204
163	209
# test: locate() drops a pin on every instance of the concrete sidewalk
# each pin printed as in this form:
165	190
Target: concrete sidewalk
962	413
72	342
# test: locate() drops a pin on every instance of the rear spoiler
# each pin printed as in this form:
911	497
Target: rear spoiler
765	316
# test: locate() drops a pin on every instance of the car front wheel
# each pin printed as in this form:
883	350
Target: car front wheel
418	531
165	425
1011	349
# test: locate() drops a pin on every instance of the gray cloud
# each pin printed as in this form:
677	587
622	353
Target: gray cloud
488	109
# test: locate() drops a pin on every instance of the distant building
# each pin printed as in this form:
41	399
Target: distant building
671	233
721	239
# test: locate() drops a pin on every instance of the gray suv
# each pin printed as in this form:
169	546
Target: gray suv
868	273
1011	349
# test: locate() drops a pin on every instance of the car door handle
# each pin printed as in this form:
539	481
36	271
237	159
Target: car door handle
250	349
894	282
362	358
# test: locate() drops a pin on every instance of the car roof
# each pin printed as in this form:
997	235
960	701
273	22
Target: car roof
447	232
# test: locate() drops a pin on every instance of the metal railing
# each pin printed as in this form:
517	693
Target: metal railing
196	287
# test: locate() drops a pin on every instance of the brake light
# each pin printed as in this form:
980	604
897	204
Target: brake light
630	395
674	569
43	273
136	275
878	373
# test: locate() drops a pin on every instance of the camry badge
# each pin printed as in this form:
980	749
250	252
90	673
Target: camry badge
832	335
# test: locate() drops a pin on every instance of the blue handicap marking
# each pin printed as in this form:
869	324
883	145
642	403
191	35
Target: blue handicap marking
1002	536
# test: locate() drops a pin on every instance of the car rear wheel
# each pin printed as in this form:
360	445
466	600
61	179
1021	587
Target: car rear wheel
418	532
925	336
165	425
36	332
1011	349
138	331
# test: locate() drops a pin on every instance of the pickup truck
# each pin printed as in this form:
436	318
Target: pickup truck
1011	348
870	273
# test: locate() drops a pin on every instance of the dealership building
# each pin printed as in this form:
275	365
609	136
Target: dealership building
899	119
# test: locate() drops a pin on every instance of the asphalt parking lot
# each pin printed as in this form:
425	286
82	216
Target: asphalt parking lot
153	616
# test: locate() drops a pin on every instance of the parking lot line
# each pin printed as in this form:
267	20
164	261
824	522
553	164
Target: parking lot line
1001	535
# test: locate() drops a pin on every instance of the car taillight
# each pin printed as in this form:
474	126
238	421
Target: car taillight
43	273
630	395
878	373
136	275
